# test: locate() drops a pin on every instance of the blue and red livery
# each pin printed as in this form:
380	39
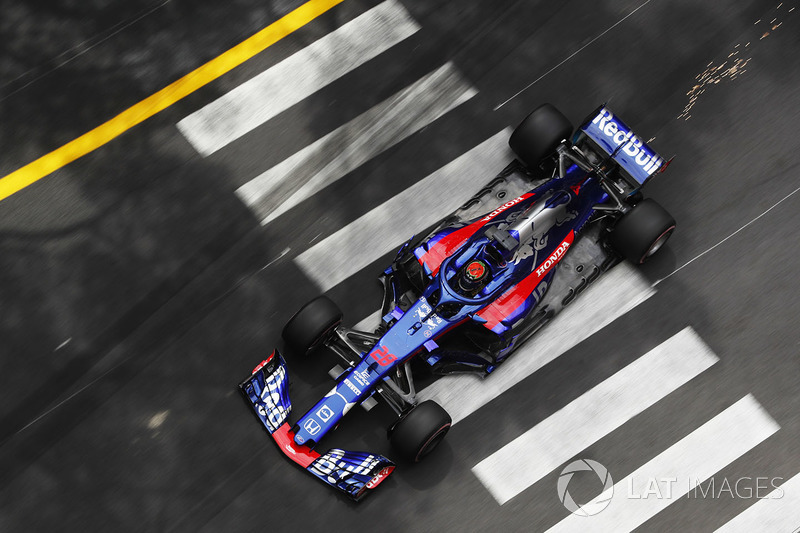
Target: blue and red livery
466	293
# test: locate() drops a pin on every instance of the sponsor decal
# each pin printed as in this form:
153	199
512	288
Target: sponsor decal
312	426
362	377
380	476
632	145
425	315
514	297
505	206
338	465
553	259
273	409
352	387
325	413
533	230
424	309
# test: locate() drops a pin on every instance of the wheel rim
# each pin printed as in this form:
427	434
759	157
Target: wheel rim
659	242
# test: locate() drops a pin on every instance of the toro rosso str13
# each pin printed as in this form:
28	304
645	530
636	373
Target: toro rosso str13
467	292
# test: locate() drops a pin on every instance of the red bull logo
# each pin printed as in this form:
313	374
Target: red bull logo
632	146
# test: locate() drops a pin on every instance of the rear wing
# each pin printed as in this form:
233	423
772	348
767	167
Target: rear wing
638	161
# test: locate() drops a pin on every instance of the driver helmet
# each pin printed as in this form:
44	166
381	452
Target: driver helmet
474	276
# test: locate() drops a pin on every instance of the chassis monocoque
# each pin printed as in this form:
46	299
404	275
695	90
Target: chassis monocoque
467	292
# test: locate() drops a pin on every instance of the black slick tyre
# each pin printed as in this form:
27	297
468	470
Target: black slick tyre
420	431
642	231
309	327
539	135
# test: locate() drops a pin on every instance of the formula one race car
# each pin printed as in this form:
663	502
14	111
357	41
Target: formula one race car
465	294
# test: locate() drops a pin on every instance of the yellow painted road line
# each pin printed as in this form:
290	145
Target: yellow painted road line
227	61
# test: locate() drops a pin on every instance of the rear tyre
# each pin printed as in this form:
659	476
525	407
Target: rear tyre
420	431
311	325
539	135
642	231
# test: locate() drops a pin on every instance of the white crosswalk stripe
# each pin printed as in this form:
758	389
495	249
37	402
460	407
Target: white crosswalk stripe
611	296
351	145
599	411
690	461
776	512
387	226
297	77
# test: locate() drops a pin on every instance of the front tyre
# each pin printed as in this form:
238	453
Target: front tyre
420	431
642	231
539	135
311	325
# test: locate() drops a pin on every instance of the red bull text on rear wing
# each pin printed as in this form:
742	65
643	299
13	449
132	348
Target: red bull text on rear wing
617	140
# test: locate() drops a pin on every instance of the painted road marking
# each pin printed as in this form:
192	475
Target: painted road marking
254	102
690	461
599	411
49	163
346	148
576	52
386	227
777	512
615	293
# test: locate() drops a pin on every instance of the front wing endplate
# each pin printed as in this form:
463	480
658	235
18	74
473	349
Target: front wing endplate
354	473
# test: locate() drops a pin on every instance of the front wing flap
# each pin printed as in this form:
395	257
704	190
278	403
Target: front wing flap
267	392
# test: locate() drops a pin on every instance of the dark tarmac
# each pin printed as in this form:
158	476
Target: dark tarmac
137	289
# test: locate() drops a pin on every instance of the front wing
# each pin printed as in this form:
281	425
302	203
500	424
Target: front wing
354	473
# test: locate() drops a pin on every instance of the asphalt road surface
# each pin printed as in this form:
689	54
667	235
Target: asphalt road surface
141	283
